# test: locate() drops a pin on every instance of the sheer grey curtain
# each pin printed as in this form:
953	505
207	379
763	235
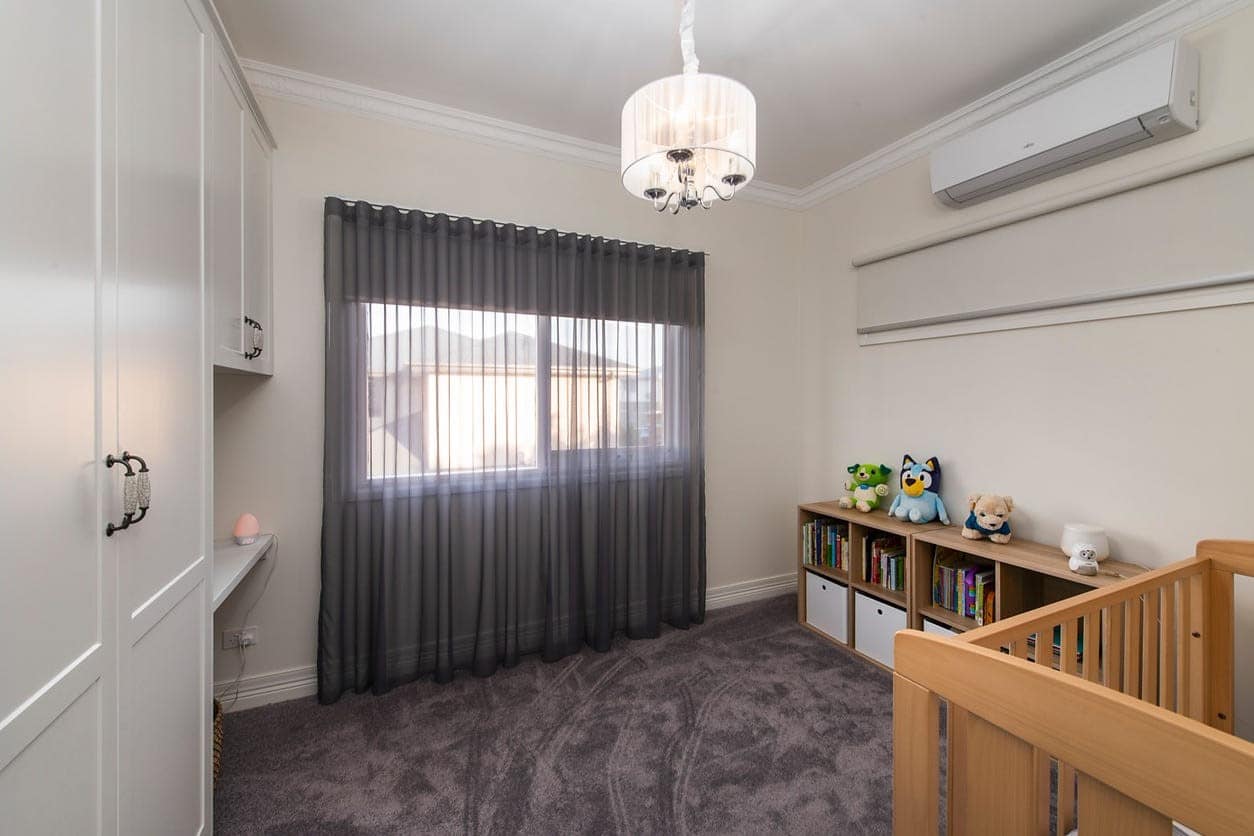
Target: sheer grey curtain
514	455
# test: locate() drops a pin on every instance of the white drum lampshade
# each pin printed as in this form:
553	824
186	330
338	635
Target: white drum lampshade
701	124
689	139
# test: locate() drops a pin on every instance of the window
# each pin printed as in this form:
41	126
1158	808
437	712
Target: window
455	391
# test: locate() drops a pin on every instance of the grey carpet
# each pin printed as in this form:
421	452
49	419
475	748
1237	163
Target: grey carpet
745	724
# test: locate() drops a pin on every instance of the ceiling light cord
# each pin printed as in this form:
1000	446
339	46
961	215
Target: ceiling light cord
687	41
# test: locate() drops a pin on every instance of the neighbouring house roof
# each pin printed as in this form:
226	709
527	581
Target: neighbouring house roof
430	346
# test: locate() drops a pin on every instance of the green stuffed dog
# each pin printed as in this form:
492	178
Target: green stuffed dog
868	483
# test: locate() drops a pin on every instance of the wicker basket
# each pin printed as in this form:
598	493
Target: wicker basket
217	741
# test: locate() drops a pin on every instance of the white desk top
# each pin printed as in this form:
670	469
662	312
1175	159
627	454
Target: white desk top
231	563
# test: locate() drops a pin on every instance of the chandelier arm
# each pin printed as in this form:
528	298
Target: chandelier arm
687	41
710	187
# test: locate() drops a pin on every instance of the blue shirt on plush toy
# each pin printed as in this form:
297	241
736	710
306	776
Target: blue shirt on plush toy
973	523
919	500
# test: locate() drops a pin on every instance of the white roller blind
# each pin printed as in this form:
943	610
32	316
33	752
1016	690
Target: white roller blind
1191	237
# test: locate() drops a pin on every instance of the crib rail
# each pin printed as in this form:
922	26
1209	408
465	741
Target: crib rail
1121	699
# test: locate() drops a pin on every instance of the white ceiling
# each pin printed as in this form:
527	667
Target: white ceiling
834	80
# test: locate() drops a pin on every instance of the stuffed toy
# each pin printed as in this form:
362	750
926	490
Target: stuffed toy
869	482
919	500
989	517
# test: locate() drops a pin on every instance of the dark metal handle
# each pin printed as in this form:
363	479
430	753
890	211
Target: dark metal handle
136	491
259	338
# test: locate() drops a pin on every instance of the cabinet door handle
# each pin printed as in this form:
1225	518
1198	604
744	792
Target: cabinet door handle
258	336
136	492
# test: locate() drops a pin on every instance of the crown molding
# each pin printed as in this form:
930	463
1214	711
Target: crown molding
1169	20
319	91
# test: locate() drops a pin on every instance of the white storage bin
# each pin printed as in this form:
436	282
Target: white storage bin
930	626
874	624
827	606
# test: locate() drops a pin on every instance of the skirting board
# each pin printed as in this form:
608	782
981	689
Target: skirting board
298	683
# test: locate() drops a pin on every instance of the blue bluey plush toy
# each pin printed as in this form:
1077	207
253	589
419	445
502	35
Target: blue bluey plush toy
919	500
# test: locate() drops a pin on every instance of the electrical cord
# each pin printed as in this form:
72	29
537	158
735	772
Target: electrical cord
272	559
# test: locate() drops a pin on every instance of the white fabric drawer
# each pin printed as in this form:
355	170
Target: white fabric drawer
874	624
827	606
930	626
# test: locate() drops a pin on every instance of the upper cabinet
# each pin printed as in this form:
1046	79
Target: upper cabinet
240	225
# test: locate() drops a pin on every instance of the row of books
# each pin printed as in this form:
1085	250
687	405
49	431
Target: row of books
963	587
825	543
884	562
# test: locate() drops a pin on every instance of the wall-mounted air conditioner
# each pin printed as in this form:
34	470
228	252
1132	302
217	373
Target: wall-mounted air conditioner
1147	98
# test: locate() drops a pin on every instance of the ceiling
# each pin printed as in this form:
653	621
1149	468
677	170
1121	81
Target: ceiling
834	79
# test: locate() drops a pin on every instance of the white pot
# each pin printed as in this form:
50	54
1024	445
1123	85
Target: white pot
1074	534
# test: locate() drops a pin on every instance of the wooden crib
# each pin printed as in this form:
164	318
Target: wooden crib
1114	708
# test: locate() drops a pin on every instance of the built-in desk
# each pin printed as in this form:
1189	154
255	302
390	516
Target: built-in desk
231	563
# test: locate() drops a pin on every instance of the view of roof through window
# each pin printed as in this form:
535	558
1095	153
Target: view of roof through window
458	391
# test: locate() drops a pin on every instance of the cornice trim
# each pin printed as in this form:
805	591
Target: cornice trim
1170	20
307	88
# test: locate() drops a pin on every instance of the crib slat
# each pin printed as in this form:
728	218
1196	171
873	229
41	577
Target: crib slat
1066	647
1041	761
1197	658
1045	647
1112	648
1184	648
1042	767
1111	813
991	757
1066	799
1167	648
1149	646
1090	663
1132	647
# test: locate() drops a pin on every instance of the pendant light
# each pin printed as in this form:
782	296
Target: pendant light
689	139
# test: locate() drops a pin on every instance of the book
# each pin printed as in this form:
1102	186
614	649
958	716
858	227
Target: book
985	597
825	543
884	562
961	585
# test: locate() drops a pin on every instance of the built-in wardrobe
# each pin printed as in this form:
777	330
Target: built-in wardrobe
119	210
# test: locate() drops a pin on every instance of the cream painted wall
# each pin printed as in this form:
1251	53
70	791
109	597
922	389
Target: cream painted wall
1141	424
269	432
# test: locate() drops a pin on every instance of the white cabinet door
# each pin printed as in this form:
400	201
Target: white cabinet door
226	126
57	659
239	246
256	214
164	50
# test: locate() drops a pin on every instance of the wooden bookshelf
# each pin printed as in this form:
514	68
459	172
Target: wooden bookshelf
829	572
1024	554
883	593
862	527
948	618
1027	575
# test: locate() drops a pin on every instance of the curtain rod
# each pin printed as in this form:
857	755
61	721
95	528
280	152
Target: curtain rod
499	224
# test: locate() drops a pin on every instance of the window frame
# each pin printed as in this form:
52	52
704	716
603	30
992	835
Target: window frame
627	461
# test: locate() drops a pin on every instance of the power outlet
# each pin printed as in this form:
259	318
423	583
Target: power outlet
241	637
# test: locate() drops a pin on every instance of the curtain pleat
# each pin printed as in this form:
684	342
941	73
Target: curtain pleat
514	446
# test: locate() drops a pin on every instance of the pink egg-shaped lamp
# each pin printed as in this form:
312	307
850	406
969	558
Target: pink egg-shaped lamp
246	529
